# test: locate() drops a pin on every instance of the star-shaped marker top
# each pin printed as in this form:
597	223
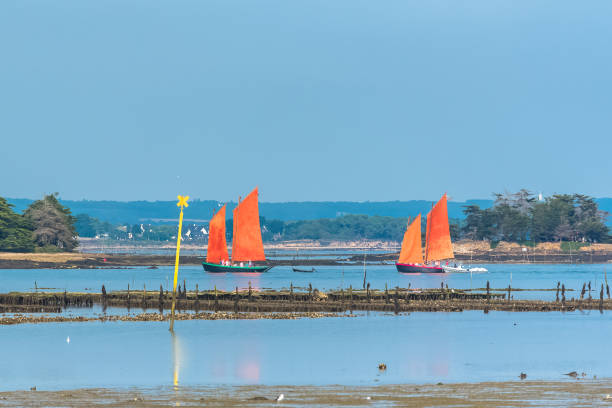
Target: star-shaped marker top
182	201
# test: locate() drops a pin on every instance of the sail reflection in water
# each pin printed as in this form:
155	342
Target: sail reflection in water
239	362
176	359
225	281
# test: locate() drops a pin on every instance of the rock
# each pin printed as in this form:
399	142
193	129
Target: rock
573	374
523	376
382	366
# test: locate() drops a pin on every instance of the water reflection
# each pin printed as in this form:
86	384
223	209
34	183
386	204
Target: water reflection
227	282
248	365
419	347
176	360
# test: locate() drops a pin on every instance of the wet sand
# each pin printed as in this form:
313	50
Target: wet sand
570	392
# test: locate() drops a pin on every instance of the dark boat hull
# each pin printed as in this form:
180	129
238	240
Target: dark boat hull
303	270
216	268
411	268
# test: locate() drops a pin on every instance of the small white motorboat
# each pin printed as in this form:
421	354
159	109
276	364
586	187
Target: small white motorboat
458	268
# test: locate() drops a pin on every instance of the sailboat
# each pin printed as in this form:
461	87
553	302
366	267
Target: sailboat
247	244
437	242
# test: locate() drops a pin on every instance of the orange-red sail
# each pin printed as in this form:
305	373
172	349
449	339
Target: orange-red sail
438	242
411	252
247	244
217	245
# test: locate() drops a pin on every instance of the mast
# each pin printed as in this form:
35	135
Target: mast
428	228
234	228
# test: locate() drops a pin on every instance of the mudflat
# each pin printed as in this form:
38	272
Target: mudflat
570	392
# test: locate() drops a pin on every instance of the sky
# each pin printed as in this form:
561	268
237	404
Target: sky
312	100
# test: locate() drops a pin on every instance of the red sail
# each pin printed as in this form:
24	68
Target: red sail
411	252
247	244
438	245
217	245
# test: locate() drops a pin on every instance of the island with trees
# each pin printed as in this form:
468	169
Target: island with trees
522	219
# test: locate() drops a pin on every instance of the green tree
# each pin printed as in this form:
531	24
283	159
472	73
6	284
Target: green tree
15	230
518	217
86	226
53	224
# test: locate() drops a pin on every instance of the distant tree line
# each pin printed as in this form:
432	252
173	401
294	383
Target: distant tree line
45	225
516	217
347	227
521	217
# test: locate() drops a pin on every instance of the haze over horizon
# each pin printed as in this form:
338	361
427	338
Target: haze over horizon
310	101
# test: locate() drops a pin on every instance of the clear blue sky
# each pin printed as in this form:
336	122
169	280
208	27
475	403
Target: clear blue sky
310	100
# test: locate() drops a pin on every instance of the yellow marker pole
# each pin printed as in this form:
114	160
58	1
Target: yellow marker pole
182	203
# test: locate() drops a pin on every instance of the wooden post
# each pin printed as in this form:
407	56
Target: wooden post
558	284
364	270
161	299
563	293
236	301
197	300
606	279
396	299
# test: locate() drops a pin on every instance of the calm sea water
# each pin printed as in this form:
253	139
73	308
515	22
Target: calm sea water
417	348
526	276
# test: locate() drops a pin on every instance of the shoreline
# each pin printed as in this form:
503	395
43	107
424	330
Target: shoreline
517	393
156	317
80	260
